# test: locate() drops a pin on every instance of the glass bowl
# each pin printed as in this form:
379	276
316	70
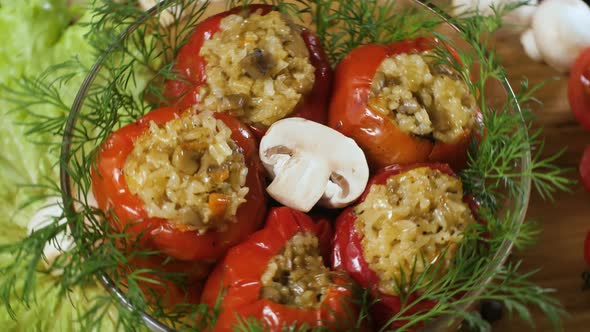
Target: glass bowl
104	104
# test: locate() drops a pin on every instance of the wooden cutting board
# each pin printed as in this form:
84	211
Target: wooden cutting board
565	222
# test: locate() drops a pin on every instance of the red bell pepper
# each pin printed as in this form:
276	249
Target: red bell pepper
128	213
192	70
348	251
578	89
184	283
239	276
383	142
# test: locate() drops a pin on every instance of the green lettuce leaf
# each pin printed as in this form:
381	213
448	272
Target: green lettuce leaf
36	34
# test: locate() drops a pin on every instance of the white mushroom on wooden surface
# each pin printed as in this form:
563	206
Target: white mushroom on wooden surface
312	163
560	30
518	18
44	217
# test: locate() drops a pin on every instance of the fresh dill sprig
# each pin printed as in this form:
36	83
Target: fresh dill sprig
133	65
344	25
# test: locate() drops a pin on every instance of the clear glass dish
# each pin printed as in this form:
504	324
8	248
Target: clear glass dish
78	149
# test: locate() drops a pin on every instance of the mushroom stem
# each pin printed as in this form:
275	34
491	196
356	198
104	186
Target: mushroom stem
300	183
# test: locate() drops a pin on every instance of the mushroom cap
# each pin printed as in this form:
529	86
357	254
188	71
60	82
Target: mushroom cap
527	39
561	29
312	163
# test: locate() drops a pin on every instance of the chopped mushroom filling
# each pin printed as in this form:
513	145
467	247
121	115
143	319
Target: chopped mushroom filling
422	97
409	221
188	171
297	276
258	68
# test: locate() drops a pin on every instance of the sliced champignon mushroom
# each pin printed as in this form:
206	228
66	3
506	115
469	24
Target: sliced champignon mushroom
234	102
296	45
258	63
312	163
185	160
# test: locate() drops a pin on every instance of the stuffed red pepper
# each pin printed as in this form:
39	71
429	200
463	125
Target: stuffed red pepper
190	184
256	64
401	106
278	277
407	217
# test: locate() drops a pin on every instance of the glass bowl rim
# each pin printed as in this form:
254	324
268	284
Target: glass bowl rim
65	156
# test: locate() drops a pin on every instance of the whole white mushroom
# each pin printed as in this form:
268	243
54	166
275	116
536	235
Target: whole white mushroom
560	30
520	17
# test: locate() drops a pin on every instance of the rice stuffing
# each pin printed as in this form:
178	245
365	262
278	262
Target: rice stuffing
422	97
258	68
188	171
409	221
297	276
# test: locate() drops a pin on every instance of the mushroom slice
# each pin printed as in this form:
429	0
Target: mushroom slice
312	163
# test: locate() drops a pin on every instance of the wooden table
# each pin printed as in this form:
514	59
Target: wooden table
559	252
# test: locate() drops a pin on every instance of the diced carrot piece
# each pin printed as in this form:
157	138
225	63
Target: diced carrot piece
218	204
220	175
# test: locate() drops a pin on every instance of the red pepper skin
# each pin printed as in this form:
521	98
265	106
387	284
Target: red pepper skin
240	272
380	138
578	89
348	254
167	292
192	68
111	192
